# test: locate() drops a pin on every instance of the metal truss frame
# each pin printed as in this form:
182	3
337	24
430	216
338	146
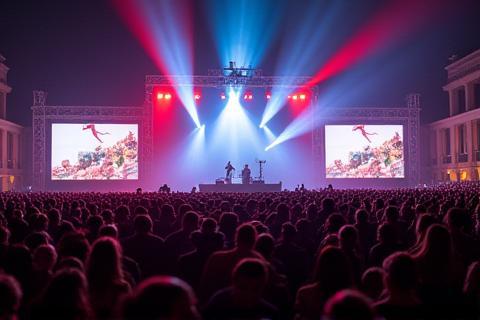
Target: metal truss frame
408	116
44	116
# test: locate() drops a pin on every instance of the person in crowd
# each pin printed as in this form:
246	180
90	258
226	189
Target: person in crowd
348	236
145	248
219	267
387	244
65	297
228	224
372	284
179	242
44	260
401	280
349	305
105	277
165	223
206	241
293	258
161	297
440	273
10	297
332	273
243	299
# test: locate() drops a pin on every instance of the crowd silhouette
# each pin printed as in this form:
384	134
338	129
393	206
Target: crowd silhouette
329	254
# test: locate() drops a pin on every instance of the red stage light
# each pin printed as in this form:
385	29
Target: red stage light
268	96
197	96
303	96
295	97
223	96
248	96
159	96
168	96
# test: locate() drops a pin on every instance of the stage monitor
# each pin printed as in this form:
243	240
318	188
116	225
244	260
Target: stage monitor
364	151
100	151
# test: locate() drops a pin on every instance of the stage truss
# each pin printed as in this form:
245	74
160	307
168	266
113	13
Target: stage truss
44	116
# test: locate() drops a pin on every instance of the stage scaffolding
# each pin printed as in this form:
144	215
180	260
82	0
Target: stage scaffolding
44	115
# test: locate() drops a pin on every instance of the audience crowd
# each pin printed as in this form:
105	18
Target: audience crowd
329	254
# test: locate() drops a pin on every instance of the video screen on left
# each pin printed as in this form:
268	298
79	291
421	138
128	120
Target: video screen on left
94	151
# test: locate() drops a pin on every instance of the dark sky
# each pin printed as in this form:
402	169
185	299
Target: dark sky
82	54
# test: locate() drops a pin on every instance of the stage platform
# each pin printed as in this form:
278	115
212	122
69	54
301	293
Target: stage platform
260	187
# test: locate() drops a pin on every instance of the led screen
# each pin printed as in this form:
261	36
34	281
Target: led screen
364	151
94	151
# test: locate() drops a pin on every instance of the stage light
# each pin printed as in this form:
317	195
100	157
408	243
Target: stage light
295	97
248	96
303	96
160	96
197	96
168	96
302	124
268	96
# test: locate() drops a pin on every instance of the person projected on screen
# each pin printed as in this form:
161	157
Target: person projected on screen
364	133
95	133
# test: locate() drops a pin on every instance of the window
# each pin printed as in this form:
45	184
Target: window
2	105
476	95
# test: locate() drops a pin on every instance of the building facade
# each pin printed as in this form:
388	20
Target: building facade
454	142
11	141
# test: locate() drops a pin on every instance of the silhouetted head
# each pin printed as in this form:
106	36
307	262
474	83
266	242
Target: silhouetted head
104	263
349	305
401	272
161	297
143	224
265	245
249	278
348	236
332	270
11	296
44	258
190	221
246	236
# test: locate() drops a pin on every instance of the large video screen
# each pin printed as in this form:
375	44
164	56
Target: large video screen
364	151
97	151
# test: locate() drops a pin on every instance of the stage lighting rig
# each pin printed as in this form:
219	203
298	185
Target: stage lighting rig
248	96
238	75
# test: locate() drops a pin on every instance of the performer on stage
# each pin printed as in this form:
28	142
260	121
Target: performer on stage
230	169
246	175
95	133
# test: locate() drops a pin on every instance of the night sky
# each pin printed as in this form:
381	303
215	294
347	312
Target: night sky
83	54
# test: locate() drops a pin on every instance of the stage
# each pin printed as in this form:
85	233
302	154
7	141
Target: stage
245	188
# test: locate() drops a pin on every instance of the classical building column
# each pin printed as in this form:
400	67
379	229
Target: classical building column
469	140
453	144
451	103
